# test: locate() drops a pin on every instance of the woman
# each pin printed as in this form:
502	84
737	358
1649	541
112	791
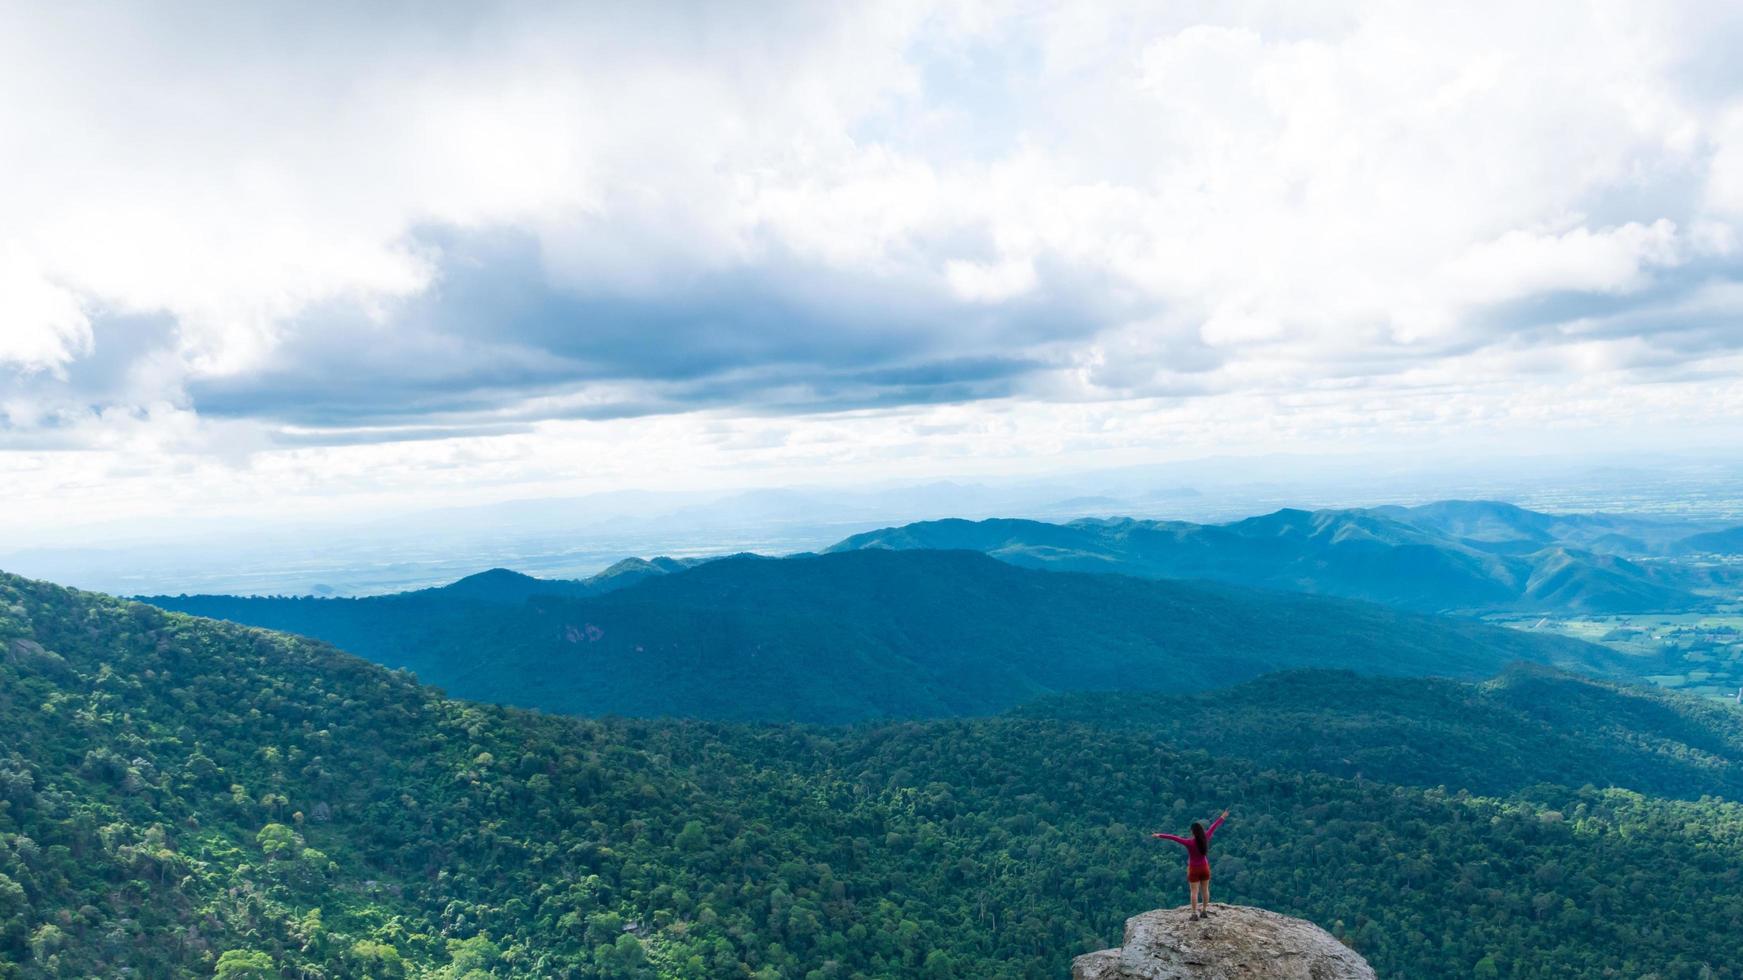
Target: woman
1197	862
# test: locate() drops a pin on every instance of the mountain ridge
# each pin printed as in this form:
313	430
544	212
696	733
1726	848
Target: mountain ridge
874	633
1406	557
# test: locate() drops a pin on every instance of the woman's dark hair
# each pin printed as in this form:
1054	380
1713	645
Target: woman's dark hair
1198	835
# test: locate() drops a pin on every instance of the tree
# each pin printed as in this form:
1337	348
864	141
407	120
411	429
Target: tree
240	964
377	960
692	838
474	955
278	842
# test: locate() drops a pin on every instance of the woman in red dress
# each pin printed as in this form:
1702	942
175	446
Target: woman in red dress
1197	862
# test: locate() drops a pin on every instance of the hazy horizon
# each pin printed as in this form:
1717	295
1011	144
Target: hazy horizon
576	536
287	262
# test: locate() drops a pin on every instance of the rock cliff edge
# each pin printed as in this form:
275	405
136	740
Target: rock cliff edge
1232	943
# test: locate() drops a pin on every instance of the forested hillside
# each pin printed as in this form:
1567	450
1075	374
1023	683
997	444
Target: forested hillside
879	634
1527	726
183	797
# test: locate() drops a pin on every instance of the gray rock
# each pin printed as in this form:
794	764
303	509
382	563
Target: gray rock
1233	943
30	654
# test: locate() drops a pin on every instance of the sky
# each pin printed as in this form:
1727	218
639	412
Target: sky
291	259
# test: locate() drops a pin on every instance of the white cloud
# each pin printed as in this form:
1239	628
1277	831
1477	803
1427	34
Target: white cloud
981	282
1524	263
1725	178
42	324
1222	204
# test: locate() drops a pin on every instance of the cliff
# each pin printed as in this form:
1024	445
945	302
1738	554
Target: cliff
1233	943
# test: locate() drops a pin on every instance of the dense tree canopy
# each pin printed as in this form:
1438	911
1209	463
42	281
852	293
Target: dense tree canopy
1526	726
191	798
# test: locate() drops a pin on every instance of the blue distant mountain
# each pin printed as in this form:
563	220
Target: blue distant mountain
1449	556
1726	542
505	585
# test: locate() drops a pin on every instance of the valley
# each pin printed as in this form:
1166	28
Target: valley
1694	652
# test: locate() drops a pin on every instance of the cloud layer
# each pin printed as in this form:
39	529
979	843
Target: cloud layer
229	232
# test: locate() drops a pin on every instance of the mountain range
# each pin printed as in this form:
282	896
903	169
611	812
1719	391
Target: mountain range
181	797
1466	556
873	633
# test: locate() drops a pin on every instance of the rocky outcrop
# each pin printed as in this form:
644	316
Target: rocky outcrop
1232	943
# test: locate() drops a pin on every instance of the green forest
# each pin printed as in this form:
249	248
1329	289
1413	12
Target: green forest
185	797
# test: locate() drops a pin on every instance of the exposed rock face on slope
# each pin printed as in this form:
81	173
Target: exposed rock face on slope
1233	943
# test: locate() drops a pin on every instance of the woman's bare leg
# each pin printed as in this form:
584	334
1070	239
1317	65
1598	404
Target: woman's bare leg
1206	884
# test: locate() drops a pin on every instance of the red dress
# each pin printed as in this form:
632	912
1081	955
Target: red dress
1197	864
